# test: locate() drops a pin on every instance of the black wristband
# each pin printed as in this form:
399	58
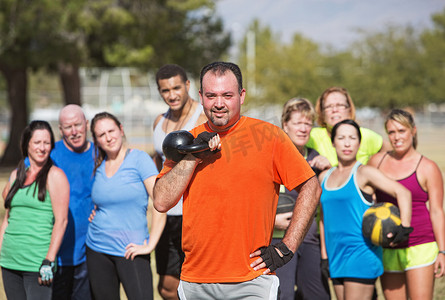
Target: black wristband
47	262
324	265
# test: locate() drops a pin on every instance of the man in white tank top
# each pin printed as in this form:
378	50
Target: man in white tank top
183	114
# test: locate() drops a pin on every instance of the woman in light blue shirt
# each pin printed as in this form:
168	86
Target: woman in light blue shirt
118	242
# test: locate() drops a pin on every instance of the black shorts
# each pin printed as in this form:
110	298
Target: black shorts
169	254
341	281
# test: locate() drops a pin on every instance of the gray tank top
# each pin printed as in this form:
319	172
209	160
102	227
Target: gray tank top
159	136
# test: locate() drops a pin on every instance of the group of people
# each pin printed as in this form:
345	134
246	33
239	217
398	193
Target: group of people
76	211
87	224
396	173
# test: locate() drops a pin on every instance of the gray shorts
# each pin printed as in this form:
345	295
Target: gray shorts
262	287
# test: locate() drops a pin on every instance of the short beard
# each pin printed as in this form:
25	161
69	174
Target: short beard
219	122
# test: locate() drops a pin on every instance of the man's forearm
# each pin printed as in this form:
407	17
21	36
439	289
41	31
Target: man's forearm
169	188
303	214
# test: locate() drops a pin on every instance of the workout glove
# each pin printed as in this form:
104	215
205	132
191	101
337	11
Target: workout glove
324	265
272	259
204	138
46	270
401	234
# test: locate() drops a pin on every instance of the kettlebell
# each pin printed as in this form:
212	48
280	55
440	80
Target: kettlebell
179	143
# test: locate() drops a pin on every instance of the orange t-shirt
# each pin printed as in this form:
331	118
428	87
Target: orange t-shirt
229	206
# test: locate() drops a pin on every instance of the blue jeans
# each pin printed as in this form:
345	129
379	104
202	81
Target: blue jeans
71	283
20	285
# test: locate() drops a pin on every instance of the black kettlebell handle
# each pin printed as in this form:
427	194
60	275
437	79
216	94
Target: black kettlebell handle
193	148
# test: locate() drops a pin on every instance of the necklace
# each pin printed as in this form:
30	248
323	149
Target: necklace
178	126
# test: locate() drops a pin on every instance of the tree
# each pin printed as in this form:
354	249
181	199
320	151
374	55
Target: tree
283	71
434	43
62	35
396	67
389	71
148	34
25	42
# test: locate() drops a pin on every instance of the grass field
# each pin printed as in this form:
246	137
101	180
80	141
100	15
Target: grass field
431	144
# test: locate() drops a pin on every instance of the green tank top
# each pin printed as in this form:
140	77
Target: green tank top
28	234
371	144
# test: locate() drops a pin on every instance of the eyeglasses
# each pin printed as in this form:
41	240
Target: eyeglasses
338	106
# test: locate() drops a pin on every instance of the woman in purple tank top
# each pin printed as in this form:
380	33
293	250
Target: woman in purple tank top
411	267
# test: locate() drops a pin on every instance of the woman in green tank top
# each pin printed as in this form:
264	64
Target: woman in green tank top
36	203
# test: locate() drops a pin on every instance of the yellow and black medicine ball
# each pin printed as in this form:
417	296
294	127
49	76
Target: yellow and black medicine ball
379	220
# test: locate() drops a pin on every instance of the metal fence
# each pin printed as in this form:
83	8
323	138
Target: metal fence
133	97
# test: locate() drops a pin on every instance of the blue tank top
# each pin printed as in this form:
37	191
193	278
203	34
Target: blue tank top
349	253
159	136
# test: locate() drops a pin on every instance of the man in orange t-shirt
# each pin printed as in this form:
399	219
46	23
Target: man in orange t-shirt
230	196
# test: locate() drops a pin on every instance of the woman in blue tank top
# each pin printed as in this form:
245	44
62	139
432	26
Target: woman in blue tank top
354	263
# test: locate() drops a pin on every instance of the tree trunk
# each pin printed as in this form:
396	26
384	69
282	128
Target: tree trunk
17	84
70	79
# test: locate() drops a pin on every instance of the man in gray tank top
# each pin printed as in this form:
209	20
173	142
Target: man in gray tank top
183	114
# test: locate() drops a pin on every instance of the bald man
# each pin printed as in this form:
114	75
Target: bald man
74	154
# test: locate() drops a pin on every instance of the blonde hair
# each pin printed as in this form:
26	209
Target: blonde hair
300	105
319	105
405	118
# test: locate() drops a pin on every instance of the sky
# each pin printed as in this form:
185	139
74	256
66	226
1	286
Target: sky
327	22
